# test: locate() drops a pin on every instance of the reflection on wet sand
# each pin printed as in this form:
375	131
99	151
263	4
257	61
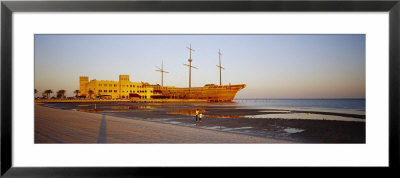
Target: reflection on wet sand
131	107
90	110
306	116
192	112
224	116
186	112
112	108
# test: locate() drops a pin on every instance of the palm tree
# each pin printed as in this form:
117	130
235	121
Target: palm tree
60	93
77	93
35	91
90	92
48	92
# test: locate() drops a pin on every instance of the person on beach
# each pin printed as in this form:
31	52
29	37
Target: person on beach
197	114
200	116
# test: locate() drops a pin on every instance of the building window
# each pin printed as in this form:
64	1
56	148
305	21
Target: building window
99	85
110	91
105	91
99	91
115	91
134	86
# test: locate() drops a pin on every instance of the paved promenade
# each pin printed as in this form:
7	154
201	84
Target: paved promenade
67	126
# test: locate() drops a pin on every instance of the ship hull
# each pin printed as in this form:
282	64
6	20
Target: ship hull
212	93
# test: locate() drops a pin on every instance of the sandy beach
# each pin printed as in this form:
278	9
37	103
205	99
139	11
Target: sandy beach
69	126
175	123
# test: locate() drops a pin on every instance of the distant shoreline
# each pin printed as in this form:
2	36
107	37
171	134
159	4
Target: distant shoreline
299	99
173	100
118	101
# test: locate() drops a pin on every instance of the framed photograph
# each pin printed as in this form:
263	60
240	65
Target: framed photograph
121	87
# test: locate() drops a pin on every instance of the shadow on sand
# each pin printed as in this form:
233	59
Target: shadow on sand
102	134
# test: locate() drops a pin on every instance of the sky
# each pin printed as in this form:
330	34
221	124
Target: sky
272	66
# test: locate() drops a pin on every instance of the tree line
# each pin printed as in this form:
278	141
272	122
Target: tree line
59	93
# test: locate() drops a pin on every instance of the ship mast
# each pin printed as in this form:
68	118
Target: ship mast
190	64
219	66
162	72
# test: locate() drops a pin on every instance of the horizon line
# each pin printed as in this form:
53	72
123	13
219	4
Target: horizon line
291	98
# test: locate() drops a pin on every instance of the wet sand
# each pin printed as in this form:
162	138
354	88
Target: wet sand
68	126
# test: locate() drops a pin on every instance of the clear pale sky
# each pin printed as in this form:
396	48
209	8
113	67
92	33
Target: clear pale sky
272	66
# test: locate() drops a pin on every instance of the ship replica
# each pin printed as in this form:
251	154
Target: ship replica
209	92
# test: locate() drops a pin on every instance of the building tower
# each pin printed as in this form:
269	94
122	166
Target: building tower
123	78
123	81
83	81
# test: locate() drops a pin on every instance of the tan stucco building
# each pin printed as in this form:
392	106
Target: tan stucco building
122	89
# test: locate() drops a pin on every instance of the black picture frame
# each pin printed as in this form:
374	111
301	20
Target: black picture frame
8	7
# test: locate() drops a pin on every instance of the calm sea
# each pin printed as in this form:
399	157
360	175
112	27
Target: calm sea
350	104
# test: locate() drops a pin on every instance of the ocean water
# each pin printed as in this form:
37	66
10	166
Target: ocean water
342	104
